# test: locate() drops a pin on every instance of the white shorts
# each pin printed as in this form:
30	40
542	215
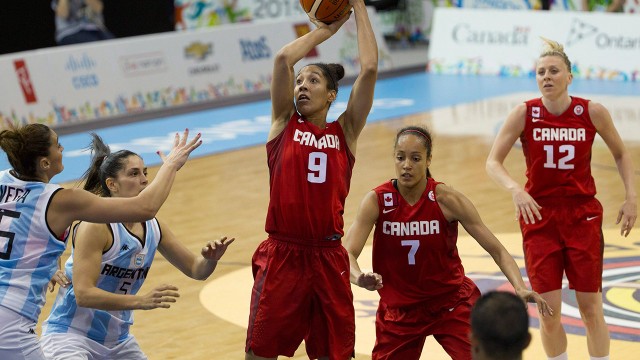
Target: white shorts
77	347
18	339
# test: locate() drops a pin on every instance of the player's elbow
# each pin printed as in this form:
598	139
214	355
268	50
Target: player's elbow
370	68
490	166
200	275
283	59
83	298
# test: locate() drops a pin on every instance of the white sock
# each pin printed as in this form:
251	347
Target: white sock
562	356
599	358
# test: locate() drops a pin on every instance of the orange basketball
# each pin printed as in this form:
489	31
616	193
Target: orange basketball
326	11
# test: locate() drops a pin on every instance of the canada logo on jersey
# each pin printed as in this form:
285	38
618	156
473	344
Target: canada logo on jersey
431	195
535	111
139	260
578	110
389	199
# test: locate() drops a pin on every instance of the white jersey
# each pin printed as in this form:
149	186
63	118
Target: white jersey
29	252
123	270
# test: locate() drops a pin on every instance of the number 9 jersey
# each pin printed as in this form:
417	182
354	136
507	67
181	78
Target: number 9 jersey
310	172
557	150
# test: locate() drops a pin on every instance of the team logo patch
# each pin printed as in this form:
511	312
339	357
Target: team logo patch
431	195
578	110
139	260
389	199
535	111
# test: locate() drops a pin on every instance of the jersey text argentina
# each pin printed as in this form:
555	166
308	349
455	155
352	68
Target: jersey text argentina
123	270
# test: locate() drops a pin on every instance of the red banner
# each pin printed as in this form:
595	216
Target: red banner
25	81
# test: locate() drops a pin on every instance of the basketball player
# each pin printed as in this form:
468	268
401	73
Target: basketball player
90	319
499	327
301	271
560	218
416	268
35	217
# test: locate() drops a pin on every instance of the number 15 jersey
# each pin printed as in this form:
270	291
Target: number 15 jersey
310	172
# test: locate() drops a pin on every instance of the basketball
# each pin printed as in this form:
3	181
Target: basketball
326	11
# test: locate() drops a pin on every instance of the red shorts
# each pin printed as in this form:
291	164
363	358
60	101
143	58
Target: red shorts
301	291
401	332
568	240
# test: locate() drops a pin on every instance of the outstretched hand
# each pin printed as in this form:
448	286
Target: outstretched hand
160	297
627	217
181	149
533	297
215	249
59	278
370	281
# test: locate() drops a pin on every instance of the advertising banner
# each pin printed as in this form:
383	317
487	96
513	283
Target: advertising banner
603	46
86	82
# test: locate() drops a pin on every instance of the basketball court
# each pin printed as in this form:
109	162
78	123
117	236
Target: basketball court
223	190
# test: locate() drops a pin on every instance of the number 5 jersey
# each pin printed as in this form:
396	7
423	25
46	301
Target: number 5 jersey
124	268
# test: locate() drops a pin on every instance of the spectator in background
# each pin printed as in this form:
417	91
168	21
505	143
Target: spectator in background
125	18
26	25
79	21
499	327
603	5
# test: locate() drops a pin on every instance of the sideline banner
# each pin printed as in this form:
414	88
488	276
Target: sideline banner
604	46
86	82
562	5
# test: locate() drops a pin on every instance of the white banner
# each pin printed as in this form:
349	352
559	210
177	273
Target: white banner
602	46
85	82
518	4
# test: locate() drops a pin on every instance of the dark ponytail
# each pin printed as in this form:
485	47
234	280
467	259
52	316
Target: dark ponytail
332	72
104	165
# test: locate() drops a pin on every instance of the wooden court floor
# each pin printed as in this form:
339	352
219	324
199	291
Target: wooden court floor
227	194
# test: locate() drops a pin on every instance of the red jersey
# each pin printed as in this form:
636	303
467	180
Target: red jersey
557	150
310	173
414	249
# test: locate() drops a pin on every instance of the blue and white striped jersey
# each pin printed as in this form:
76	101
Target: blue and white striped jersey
28	250
123	270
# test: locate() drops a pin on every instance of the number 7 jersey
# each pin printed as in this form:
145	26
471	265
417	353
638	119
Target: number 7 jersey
310	172
557	150
415	251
